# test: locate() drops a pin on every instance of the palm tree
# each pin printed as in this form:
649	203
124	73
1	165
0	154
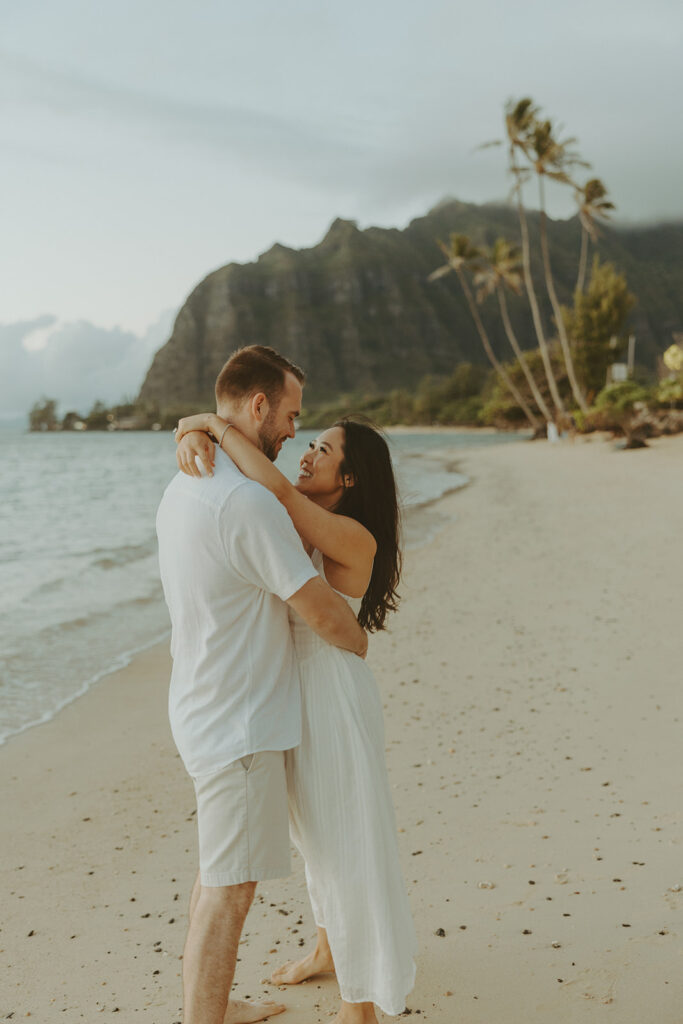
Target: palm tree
553	159
500	270
592	204
520	118
459	254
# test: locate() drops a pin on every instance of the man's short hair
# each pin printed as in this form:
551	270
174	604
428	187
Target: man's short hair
254	369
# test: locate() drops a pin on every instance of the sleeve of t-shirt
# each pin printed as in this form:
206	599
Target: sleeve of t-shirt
262	544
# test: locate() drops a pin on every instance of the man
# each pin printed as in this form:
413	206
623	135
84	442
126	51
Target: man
231	562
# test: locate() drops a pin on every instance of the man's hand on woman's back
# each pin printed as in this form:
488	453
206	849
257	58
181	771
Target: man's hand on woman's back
328	615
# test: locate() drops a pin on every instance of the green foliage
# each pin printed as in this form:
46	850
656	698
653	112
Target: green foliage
466	412
125	410
582	422
446	401
71	420
168	418
670	391
43	415
598	315
500	410
620	399
99	417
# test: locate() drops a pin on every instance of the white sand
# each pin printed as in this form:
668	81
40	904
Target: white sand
532	685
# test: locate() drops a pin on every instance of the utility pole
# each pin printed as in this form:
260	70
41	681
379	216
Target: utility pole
631	353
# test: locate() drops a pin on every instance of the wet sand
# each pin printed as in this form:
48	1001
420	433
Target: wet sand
532	693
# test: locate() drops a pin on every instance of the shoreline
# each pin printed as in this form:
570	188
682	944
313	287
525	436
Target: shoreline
532	709
400	428
420	520
122	661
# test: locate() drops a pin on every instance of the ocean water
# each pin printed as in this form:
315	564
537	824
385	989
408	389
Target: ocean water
79	582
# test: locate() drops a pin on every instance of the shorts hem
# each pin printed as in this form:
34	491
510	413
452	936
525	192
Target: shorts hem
238	877
203	774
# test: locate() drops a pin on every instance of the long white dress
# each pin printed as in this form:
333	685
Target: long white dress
342	821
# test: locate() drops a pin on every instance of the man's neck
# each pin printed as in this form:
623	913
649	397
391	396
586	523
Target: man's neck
239	418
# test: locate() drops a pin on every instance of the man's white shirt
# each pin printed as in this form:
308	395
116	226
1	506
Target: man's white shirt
229	558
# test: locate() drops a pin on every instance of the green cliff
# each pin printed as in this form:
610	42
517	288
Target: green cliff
358	313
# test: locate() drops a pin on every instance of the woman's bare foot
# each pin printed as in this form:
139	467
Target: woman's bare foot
239	1012
296	971
356	1013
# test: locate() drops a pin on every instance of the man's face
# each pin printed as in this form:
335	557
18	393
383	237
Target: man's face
279	423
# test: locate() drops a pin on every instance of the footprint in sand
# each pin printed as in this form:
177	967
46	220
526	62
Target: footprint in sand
594	984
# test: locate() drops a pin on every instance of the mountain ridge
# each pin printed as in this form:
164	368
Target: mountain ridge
357	312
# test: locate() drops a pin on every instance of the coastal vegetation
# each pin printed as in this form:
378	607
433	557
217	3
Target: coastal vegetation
471	396
589	333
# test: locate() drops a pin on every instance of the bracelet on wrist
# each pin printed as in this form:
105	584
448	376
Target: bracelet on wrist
225	430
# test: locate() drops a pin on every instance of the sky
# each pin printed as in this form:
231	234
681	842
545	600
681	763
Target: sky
144	144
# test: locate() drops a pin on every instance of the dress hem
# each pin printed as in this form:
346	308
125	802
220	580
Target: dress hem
383	1003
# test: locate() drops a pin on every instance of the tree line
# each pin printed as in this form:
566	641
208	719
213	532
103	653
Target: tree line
564	380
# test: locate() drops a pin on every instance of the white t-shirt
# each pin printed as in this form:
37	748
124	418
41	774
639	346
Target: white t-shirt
230	557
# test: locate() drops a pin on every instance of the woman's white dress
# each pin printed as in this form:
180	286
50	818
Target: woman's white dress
342	821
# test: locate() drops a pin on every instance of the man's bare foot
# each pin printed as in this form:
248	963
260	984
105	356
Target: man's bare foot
239	1012
296	971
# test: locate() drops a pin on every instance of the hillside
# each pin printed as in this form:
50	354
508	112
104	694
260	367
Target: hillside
358	313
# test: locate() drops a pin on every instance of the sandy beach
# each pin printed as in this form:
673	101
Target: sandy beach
531	684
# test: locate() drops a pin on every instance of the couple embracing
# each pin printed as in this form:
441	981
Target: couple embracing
272	588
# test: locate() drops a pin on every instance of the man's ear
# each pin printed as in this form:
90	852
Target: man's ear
259	407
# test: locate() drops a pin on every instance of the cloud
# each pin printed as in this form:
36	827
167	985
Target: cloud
249	135
75	363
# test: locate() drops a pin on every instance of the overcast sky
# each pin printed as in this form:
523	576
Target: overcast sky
144	144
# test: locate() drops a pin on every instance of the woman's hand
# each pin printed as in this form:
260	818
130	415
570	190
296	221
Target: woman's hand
202	421
196	442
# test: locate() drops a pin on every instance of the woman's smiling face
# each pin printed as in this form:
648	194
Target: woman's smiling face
319	468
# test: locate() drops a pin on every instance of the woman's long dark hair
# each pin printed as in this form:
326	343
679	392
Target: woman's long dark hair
372	501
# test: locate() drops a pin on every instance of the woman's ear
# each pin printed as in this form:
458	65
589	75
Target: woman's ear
349	480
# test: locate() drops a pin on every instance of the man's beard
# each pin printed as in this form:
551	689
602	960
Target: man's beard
269	438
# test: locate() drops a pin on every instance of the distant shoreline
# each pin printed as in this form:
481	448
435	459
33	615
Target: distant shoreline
400	428
397	428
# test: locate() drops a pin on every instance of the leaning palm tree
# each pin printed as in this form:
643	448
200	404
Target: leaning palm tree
459	254
592	203
498	271
553	159
520	117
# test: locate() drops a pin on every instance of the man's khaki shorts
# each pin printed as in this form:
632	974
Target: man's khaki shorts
243	822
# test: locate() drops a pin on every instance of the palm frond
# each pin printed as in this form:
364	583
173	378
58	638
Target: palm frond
440	272
560	176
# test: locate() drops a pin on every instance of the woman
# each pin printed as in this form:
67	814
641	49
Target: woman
344	505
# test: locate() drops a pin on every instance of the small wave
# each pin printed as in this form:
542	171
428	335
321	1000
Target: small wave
48	633
449	488
142	602
117	557
72	624
50	586
117	663
75	573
